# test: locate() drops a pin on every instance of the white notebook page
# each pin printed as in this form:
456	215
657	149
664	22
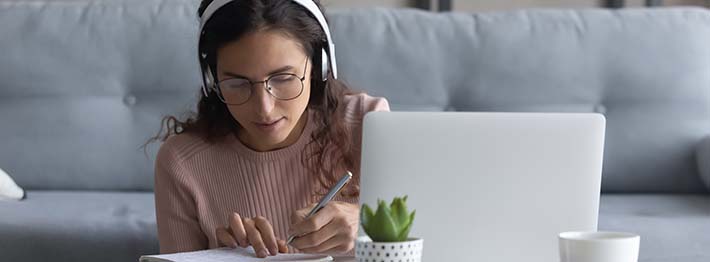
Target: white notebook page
226	254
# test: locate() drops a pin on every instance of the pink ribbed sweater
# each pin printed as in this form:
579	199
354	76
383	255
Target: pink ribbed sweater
198	185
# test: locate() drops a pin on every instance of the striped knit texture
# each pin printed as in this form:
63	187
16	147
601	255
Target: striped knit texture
199	185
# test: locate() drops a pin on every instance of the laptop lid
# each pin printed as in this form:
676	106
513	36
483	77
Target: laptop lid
487	186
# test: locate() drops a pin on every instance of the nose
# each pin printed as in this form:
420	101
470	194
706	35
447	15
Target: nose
264	101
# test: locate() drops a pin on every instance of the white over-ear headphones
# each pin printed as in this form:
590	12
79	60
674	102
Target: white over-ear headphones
327	52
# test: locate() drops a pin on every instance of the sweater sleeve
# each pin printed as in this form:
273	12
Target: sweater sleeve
371	104
178	227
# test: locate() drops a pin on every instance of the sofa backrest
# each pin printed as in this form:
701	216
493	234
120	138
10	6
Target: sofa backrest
84	83
646	70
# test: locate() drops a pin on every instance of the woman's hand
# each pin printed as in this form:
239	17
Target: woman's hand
333	229
256	232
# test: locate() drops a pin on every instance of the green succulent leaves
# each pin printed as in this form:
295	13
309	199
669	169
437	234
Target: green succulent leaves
389	223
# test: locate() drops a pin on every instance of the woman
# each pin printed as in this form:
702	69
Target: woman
271	135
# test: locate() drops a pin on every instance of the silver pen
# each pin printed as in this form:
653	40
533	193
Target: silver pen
324	201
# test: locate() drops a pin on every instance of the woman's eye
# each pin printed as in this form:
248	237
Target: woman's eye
282	78
238	84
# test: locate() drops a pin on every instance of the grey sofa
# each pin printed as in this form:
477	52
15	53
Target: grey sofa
83	83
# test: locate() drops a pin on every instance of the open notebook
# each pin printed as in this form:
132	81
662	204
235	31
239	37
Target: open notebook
225	254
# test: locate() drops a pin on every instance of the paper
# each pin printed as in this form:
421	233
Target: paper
226	254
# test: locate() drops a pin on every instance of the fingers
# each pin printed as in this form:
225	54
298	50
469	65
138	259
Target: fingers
254	237
257	232
267	234
283	248
312	242
336	244
225	238
332	229
238	231
299	215
340	246
313	223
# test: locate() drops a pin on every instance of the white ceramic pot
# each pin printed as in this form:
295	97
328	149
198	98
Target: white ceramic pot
406	251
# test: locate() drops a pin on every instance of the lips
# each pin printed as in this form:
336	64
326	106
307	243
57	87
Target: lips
269	125
268	122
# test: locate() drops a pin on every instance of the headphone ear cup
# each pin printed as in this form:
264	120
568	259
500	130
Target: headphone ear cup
324	65
209	81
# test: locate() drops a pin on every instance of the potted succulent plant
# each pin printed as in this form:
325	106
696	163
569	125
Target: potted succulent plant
387	232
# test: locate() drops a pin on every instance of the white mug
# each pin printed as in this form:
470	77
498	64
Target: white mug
599	247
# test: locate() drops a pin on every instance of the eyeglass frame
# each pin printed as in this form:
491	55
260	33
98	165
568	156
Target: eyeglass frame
266	86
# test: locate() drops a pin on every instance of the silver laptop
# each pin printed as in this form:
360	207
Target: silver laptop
487	186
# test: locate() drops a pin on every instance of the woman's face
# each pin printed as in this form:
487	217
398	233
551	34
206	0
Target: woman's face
267	122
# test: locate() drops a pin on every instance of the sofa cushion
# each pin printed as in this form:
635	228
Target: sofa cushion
78	226
9	189
673	228
120	226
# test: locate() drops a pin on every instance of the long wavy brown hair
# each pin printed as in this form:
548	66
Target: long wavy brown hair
332	142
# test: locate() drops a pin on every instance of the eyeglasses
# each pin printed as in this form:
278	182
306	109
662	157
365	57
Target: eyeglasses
282	86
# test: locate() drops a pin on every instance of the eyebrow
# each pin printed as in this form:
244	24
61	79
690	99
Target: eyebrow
279	70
